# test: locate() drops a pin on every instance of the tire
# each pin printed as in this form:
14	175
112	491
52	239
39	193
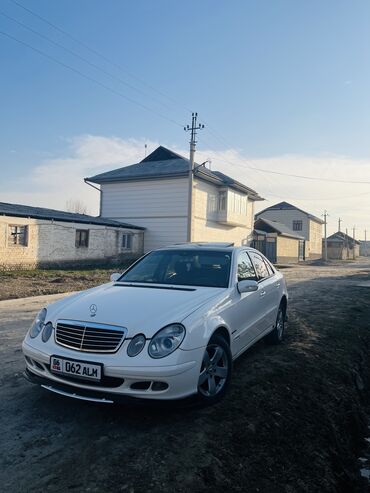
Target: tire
277	335
215	371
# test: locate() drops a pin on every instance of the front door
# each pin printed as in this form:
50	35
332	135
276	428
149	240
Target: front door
268	293
245	312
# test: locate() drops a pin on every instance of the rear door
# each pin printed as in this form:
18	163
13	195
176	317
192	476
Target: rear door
268	292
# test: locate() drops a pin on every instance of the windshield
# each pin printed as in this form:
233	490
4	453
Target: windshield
207	268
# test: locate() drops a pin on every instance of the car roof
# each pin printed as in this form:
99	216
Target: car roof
206	246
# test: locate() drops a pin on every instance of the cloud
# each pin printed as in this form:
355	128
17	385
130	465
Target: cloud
55	181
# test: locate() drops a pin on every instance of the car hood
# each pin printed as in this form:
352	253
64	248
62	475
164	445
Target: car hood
139	308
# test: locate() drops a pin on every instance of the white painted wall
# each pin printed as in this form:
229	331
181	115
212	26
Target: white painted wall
161	207
158	205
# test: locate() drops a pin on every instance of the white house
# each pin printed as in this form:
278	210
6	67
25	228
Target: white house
37	237
302	223
154	194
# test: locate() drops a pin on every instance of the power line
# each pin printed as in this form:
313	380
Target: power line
96	53
211	130
85	60
245	164
91	79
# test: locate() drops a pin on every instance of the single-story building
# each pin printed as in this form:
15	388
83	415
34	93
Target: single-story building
33	237
154	194
301	222
278	242
342	246
364	248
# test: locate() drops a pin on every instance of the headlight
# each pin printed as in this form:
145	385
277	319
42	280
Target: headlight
136	345
46	333
166	341
38	323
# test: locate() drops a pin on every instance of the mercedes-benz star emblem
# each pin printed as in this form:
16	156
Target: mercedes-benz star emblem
93	310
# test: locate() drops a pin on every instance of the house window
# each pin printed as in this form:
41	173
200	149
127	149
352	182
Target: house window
82	238
297	225
18	235
127	241
222	201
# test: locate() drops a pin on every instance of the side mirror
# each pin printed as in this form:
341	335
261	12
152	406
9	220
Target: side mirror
115	276
247	286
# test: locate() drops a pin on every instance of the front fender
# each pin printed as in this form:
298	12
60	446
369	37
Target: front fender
201	324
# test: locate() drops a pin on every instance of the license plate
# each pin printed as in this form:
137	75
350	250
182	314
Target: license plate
73	368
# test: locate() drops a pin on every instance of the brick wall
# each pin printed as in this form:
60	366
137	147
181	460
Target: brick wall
54	243
287	249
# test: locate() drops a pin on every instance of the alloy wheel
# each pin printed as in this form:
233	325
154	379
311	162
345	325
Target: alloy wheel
214	371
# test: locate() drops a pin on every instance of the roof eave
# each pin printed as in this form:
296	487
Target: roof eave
70	220
137	178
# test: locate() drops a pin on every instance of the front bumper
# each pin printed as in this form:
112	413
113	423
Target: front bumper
161	382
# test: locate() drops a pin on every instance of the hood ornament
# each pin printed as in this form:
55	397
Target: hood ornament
93	310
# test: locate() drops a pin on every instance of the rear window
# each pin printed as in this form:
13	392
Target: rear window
206	268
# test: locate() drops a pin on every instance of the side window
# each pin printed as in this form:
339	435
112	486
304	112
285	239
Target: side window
269	268
127	241
18	235
297	225
245	268
260	266
82	238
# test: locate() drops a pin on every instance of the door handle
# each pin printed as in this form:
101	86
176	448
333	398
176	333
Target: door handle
262	293
278	284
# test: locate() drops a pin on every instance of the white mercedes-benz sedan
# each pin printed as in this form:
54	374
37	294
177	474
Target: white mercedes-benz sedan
169	327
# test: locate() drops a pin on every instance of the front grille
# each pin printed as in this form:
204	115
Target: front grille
89	337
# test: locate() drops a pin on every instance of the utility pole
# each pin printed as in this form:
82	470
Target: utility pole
339	223
354	242
193	129
347	243
365	244
325	236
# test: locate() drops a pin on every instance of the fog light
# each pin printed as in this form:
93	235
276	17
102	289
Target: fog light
46	333
157	386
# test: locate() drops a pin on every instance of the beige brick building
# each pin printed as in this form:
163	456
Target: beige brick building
154	194
300	222
37	237
278	242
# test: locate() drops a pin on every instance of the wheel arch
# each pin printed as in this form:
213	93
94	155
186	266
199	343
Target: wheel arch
284	303
222	331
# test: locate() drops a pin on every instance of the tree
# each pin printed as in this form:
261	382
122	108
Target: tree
76	206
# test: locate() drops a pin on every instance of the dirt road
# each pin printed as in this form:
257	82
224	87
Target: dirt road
294	420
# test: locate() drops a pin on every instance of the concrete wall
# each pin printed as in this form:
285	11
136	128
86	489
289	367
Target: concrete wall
339	251
315	242
287	250
365	248
205	225
158	205
53	243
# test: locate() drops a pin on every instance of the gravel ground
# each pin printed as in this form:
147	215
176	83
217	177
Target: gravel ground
294	420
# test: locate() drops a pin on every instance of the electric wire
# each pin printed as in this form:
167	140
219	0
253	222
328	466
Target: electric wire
91	79
85	60
99	54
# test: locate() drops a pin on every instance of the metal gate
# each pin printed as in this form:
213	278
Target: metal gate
301	249
267	246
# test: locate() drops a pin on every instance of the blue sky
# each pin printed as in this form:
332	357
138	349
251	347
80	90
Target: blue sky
274	78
